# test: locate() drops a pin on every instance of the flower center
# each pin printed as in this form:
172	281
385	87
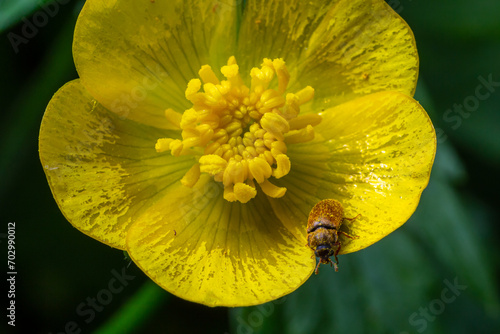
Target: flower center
239	133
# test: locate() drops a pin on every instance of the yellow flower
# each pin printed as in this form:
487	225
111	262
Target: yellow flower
200	135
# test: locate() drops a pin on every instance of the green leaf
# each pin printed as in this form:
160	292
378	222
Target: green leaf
443	221
260	319
446	228
138	309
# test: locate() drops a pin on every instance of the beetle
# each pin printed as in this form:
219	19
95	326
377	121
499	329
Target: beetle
323	228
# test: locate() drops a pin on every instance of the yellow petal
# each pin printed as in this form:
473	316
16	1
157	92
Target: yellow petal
103	170
202	248
136	57
374	155
343	48
277	29
360	47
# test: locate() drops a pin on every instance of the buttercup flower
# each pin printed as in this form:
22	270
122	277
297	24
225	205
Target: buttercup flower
201	133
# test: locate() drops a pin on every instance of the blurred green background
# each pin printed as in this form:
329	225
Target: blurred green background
436	274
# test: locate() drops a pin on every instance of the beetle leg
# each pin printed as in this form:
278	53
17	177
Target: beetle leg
349	236
335	254
344	233
317	267
351	219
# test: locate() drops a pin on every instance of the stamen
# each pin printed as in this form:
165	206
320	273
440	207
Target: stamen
271	190
173	117
300	136
275	124
283	75
304	120
192	89
192	176
207	75
163	144
244	192
176	147
283	166
305	95
212	164
259	169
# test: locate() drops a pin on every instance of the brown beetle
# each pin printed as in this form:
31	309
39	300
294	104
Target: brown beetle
323	227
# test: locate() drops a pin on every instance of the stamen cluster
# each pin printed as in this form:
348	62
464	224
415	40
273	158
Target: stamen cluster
241	133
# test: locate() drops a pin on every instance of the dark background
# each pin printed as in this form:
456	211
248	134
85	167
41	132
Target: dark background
402	284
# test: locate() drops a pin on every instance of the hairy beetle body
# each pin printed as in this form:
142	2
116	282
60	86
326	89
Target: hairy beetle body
323	228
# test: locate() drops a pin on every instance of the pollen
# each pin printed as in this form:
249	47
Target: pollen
238	133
